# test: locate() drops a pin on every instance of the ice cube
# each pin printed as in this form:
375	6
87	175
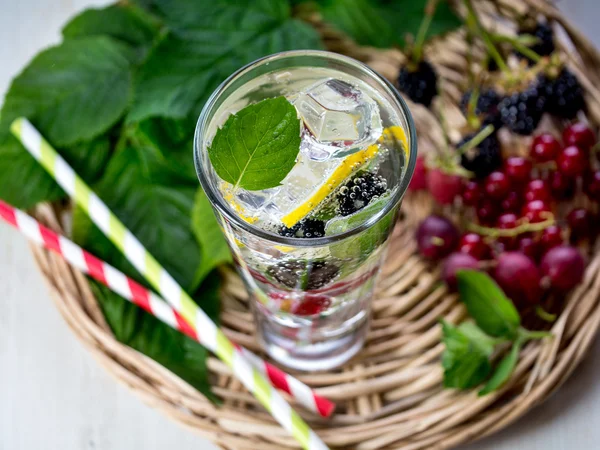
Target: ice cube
338	119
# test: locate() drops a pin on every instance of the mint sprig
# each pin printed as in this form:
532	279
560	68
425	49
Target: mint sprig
467	359
257	147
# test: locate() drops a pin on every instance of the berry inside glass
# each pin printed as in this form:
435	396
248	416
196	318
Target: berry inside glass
309	248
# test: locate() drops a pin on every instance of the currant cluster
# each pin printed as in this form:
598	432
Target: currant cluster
515	227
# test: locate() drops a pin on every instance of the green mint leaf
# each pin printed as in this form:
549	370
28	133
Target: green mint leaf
141	331
23	182
182	71
72	92
257	147
124	22
382	23
493	312
503	370
465	359
208	233
474	333
361	246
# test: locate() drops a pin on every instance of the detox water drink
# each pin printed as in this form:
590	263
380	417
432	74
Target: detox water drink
309	249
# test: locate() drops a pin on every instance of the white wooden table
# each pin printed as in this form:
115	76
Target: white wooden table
54	396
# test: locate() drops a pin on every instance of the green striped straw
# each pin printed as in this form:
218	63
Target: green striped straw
214	339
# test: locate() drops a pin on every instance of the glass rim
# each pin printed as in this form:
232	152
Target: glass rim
224	208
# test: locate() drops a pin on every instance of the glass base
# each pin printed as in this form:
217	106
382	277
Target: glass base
313	354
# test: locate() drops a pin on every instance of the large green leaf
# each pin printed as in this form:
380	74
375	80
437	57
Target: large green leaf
72	92
155	203
143	332
384	23
208	42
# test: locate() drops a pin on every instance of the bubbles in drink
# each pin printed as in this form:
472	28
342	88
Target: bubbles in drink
338	119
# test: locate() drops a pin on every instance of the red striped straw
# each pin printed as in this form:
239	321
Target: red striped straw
134	292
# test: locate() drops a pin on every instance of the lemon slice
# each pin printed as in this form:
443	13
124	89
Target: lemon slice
341	173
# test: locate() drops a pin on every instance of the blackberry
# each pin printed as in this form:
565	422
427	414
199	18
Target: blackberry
300	274
564	94
486	108
522	111
359	191
483	159
420	84
545	35
307	228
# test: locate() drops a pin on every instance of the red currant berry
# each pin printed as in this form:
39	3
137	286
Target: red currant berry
551	237
579	134
444	187
474	245
527	245
536	211
518	169
572	161
471	193
561	186
497	185
437	237
512	203
454	263
312	305
419	179
487	212
592	186
564	266
537	190
507	221
519	277
581	223
544	148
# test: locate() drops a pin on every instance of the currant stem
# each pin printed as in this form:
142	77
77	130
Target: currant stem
520	44
545	315
417	52
527	335
476	140
474	22
512	232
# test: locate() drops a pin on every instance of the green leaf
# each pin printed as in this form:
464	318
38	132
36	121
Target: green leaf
504	369
382	23
72	92
257	147
474	333
155	203
136	328
209	41
89	159
124	22
209	235
465	359
493	312
23	182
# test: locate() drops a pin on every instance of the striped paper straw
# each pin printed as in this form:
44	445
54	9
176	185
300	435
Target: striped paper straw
213	338
132	291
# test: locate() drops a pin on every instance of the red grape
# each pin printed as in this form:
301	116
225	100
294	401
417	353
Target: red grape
512	203
518	169
551	237
471	193
562	186
497	185
544	148
537	190
536	211
572	161
579	134
592	186
527	245
487	212
454	263
436	237
444	187
474	245
581	223
519	277
564	266
419	179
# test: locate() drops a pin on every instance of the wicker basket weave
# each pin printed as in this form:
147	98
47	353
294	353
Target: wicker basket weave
390	396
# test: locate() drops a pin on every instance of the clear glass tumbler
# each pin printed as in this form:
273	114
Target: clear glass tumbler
311	297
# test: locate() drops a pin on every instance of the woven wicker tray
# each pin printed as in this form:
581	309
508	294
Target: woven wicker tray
390	396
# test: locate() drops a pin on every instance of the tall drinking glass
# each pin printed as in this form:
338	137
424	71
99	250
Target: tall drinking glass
311	282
